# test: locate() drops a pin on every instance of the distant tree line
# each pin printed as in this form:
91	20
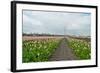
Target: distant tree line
42	34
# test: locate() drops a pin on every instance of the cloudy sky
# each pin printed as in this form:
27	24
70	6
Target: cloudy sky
56	22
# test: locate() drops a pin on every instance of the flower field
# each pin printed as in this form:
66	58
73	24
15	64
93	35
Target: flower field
81	48
41	49
38	50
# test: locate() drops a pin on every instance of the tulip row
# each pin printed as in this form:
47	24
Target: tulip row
81	48
38	50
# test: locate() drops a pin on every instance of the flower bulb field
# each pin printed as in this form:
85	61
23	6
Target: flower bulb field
56	36
41	49
81	48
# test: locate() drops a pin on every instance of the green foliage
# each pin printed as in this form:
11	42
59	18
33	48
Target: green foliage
38	50
81	48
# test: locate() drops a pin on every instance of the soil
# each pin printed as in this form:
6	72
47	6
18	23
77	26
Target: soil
63	52
40	37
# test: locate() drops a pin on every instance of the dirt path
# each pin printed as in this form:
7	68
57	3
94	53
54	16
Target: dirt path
63	52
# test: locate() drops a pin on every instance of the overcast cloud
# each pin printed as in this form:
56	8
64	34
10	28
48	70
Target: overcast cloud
55	22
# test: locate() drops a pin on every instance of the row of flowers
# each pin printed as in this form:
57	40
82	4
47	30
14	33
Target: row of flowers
81	48
39	50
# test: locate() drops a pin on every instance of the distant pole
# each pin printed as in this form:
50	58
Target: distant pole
64	31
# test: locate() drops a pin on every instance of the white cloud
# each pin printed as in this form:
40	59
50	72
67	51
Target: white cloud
31	25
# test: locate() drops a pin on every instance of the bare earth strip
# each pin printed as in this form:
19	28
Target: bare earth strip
63	52
39	37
